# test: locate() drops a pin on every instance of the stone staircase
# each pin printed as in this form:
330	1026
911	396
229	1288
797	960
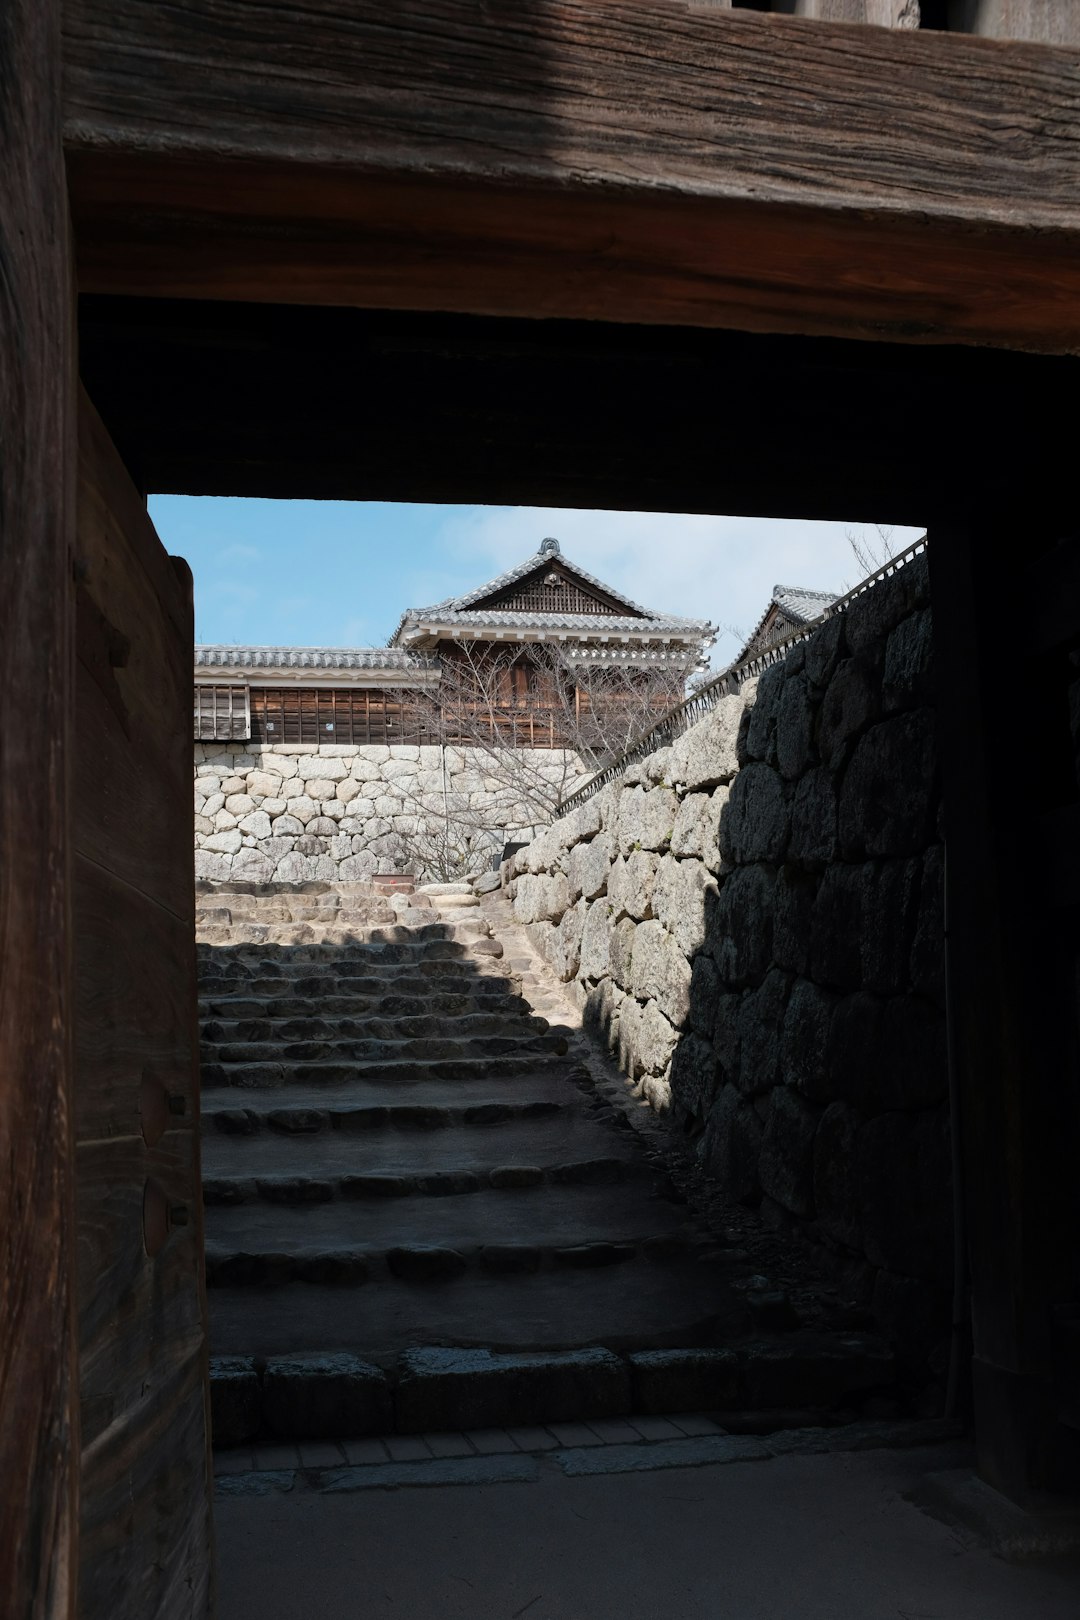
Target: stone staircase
423	1214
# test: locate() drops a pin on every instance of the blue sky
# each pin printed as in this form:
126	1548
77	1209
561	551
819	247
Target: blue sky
340	573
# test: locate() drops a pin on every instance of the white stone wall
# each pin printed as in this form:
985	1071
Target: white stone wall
287	813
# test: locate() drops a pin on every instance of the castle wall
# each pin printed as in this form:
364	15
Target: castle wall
752	919
287	813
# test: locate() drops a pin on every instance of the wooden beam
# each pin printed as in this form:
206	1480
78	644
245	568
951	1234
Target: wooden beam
636	161
207	398
38	1420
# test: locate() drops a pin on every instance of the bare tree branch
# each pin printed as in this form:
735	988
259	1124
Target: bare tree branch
872	548
534	722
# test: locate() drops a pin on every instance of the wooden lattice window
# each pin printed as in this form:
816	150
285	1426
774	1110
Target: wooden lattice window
222	713
549	590
319	714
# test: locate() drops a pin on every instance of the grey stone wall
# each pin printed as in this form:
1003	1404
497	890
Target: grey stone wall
753	919
280	813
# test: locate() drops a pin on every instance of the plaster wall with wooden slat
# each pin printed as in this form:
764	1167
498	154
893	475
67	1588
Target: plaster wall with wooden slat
637	161
145	1531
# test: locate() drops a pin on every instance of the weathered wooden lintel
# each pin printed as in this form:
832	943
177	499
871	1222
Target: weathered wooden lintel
632	162
215	398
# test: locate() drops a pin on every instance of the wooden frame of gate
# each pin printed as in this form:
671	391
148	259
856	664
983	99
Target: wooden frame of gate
784	265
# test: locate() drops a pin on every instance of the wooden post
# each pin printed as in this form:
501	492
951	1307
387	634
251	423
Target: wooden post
1012	970
884	13
1054	22
38	1418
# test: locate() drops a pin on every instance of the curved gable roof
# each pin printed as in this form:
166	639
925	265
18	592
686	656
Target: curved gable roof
469	606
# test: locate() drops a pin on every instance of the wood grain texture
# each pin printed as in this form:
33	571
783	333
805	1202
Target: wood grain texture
132	1006
144	1528
633	161
38	1422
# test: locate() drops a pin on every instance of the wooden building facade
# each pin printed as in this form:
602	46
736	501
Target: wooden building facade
790	608
580	261
527	658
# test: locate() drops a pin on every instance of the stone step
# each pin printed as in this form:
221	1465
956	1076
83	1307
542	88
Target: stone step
426	925
313	1162
240	1076
445	890
302	1185
312	980
436	1239
244	909
389	1105
348	938
432	1389
335	931
418	1025
454	977
379	945
358	955
473	996
309	1118
218	960
434	1049
639	1305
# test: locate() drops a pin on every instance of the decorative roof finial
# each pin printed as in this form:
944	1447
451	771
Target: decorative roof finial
549	547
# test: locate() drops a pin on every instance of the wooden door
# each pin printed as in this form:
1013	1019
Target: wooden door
145	1517
38	1428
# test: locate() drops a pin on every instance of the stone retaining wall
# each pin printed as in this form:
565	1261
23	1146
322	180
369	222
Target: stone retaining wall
336	812
753	918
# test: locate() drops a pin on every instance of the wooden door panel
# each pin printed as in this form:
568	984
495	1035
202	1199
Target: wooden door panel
133	1009
145	1519
38	1424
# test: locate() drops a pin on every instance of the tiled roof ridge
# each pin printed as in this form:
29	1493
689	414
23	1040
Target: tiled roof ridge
540	558
781	598
602	624
797	590
210	655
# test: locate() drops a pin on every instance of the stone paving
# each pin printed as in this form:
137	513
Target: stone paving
803	1534
613	1446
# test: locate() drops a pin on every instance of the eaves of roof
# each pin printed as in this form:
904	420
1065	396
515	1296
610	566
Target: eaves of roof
797	604
595	626
269	659
441	612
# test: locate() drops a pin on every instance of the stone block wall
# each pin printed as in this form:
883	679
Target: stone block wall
280	813
753	919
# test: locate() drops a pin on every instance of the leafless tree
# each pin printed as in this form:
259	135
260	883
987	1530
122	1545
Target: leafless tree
872	546
533	722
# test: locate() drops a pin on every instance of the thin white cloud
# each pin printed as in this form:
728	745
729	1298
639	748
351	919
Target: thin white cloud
717	568
235	592
237	553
